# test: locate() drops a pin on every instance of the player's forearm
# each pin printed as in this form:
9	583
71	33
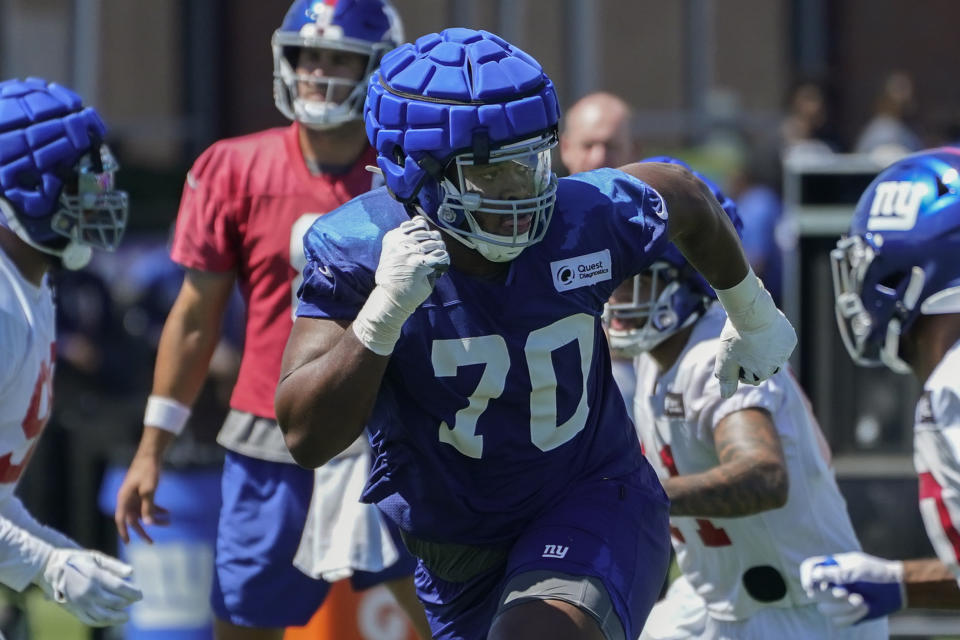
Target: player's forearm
323	404
736	489
187	343
14	511
154	442
189	338
930	585
23	550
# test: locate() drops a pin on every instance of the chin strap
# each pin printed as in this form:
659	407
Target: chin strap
74	256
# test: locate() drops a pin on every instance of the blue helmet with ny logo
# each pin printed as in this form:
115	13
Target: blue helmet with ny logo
367	28
668	296
901	256
463	124
56	175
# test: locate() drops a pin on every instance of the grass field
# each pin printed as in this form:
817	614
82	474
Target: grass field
45	619
48	621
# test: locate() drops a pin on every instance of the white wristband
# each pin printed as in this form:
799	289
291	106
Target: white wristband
748	305
166	413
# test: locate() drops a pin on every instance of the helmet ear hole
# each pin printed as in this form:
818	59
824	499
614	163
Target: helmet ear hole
942	189
893	280
29	180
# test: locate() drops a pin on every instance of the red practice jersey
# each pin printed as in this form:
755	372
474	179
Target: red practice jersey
246	204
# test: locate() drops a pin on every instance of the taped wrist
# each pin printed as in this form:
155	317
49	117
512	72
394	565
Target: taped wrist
379	322
748	304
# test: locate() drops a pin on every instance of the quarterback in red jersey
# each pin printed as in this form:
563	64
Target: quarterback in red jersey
245	206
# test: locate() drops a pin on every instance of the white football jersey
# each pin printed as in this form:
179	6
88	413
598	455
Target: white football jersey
27	334
676	412
936	455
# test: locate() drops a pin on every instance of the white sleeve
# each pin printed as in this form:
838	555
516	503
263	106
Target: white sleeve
25	544
937	458
702	395
12	345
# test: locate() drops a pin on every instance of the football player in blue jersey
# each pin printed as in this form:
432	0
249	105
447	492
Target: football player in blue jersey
456	312
896	279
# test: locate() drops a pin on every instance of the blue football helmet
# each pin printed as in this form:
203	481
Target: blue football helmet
365	27
668	296
463	124
56	175
901	256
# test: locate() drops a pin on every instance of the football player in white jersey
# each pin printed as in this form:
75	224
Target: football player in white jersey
748	474
896	278
57	203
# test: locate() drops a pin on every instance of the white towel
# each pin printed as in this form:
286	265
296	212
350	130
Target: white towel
342	534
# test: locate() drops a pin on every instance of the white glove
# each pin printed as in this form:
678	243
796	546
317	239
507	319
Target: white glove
411	258
854	587
92	586
756	339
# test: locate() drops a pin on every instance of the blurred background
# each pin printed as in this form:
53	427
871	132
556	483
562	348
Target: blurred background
792	105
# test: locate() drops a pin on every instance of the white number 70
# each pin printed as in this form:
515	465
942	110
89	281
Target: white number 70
449	355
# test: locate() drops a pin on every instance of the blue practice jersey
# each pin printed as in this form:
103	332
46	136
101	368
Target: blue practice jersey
499	393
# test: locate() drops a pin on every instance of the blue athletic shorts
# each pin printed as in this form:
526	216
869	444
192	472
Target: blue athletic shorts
613	529
261	521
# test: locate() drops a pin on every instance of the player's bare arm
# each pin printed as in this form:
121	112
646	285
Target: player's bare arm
330	376
328	384
190	334
696	222
751	476
930	584
757	338
189	338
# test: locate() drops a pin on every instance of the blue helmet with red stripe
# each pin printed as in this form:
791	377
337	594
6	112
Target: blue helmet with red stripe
368	28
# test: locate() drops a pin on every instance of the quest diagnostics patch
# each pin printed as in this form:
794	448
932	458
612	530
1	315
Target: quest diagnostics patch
581	271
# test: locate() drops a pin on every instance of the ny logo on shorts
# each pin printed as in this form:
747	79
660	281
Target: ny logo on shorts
555	551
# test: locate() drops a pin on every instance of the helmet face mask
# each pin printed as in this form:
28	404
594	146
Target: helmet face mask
463	123
849	263
344	28
92	212
868	342
666	297
649	308
901	257
503	206
57	178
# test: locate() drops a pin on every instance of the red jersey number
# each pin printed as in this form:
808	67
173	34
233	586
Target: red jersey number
41	405
712	536
930	489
